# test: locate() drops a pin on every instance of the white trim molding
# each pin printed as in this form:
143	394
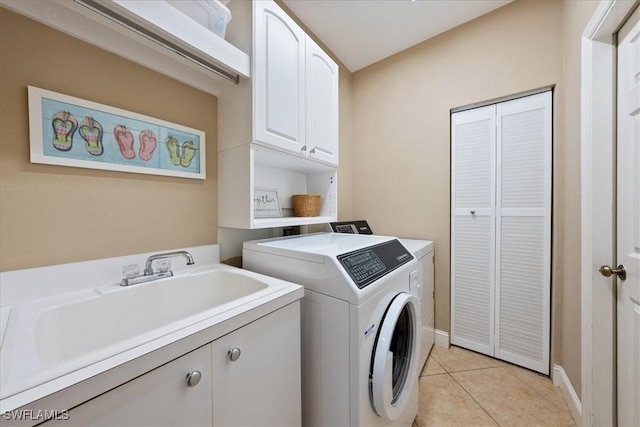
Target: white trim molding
598	121
442	339
561	380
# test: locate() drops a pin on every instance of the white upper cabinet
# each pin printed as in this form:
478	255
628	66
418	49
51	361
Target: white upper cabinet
279	83
322	104
295	86
278	131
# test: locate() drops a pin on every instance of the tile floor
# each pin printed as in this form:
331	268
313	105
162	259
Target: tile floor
459	387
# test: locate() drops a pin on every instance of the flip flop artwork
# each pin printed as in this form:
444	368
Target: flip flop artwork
64	126
148	143
70	131
180	157
91	131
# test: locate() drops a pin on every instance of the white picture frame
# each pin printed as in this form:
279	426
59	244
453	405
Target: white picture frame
69	131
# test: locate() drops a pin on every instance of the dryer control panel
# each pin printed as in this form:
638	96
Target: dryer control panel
351	227
367	265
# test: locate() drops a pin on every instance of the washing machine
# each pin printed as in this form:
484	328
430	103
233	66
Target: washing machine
423	251
360	324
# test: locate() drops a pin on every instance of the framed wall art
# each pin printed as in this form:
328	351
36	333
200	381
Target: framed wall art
69	131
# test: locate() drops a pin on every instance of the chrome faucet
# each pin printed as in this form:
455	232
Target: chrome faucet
147	266
148	274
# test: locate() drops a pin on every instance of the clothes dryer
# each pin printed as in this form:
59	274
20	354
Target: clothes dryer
361	324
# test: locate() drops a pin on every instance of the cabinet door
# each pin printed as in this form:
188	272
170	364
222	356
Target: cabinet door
262	387
322	104
473	229
158	398
278	79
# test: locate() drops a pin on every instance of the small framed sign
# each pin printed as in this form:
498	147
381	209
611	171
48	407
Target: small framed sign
266	203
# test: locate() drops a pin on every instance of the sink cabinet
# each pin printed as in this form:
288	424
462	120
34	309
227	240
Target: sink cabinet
260	386
158	398
278	131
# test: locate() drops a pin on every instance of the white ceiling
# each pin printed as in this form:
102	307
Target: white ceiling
362	32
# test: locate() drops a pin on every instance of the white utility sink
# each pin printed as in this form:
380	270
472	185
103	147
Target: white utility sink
78	327
54	342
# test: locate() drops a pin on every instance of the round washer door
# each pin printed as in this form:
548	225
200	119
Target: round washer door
395	358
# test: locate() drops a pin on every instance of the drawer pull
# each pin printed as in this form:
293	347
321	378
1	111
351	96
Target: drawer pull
234	354
193	378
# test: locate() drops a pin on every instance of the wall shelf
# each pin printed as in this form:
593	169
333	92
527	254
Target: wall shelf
182	52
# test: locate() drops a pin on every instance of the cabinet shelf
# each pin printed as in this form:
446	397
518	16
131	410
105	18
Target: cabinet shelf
290	221
243	169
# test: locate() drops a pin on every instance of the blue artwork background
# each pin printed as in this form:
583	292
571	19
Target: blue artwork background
111	153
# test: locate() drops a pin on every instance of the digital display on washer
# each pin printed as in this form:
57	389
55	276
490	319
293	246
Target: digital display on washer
367	265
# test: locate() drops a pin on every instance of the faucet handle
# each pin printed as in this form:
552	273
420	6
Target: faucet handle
162	265
130	271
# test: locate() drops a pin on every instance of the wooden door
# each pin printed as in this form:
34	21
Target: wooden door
628	222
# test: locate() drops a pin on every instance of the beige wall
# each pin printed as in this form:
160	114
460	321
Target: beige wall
401	127
401	117
53	214
576	15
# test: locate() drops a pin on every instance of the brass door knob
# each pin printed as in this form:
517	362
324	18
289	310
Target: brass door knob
607	271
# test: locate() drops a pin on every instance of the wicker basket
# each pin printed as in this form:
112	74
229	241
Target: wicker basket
306	204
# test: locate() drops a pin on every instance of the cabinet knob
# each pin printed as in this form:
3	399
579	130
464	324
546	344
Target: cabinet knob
473	212
304	148
193	378
313	150
234	354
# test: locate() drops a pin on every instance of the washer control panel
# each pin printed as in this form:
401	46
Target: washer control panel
367	265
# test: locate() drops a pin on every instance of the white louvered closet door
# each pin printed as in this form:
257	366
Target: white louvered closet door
473	229
523	226
501	230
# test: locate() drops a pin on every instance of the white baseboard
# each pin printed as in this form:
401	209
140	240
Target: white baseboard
442	339
561	380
